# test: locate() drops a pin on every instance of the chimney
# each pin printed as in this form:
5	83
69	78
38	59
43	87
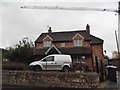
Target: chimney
49	30
88	28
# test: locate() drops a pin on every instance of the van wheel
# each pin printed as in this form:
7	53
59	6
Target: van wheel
66	69
37	68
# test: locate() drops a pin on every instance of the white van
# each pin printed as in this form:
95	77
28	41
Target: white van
53	62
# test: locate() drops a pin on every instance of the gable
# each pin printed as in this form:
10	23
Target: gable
47	38
78	37
63	36
68	36
54	49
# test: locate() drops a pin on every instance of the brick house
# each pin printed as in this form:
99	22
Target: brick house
81	45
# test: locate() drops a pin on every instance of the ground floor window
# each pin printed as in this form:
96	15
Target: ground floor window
79	59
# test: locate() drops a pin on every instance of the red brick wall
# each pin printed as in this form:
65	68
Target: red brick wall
86	43
39	45
97	50
89	62
58	44
47	39
78	37
67	44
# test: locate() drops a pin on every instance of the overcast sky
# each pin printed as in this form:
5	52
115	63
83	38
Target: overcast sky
17	23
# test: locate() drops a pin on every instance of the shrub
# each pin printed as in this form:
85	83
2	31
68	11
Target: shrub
14	66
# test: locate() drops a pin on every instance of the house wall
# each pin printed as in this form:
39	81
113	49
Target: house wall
78	36
67	44
47	38
58	44
86	43
97	50
89	62
39	45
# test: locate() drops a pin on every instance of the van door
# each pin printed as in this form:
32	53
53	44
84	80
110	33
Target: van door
48	63
58	63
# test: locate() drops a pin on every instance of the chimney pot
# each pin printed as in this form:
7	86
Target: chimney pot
88	28
49	30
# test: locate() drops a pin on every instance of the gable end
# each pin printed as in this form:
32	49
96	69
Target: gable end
47	38
78	36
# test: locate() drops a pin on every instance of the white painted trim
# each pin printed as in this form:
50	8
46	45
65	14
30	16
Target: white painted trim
79	35
48	37
51	48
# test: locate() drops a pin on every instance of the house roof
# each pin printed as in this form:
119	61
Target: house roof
96	40
63	36
72	50
68	36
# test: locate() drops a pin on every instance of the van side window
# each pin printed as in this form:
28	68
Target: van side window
51	58
43	60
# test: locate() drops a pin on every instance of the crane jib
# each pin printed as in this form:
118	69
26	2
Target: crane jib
68	8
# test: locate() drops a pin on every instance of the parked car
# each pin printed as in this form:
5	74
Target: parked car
53	62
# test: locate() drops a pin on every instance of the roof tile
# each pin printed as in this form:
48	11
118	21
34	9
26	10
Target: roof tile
68	35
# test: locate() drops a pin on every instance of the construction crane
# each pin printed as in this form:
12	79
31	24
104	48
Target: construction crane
69	8
77	9
81	9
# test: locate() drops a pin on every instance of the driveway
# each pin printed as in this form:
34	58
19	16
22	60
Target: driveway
108	85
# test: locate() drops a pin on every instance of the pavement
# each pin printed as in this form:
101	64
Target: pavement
109	85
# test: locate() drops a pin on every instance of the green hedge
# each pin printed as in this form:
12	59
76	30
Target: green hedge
14	66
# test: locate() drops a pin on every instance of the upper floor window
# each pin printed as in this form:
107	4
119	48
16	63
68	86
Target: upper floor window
78	43
62	44
47	43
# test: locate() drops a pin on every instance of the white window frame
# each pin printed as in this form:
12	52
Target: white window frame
78	42
47	43
62	44
83	59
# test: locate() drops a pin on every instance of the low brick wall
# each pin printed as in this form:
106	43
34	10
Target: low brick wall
50	79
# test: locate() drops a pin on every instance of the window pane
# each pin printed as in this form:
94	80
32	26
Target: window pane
47	43
50	58
78	42
62	44
83	59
